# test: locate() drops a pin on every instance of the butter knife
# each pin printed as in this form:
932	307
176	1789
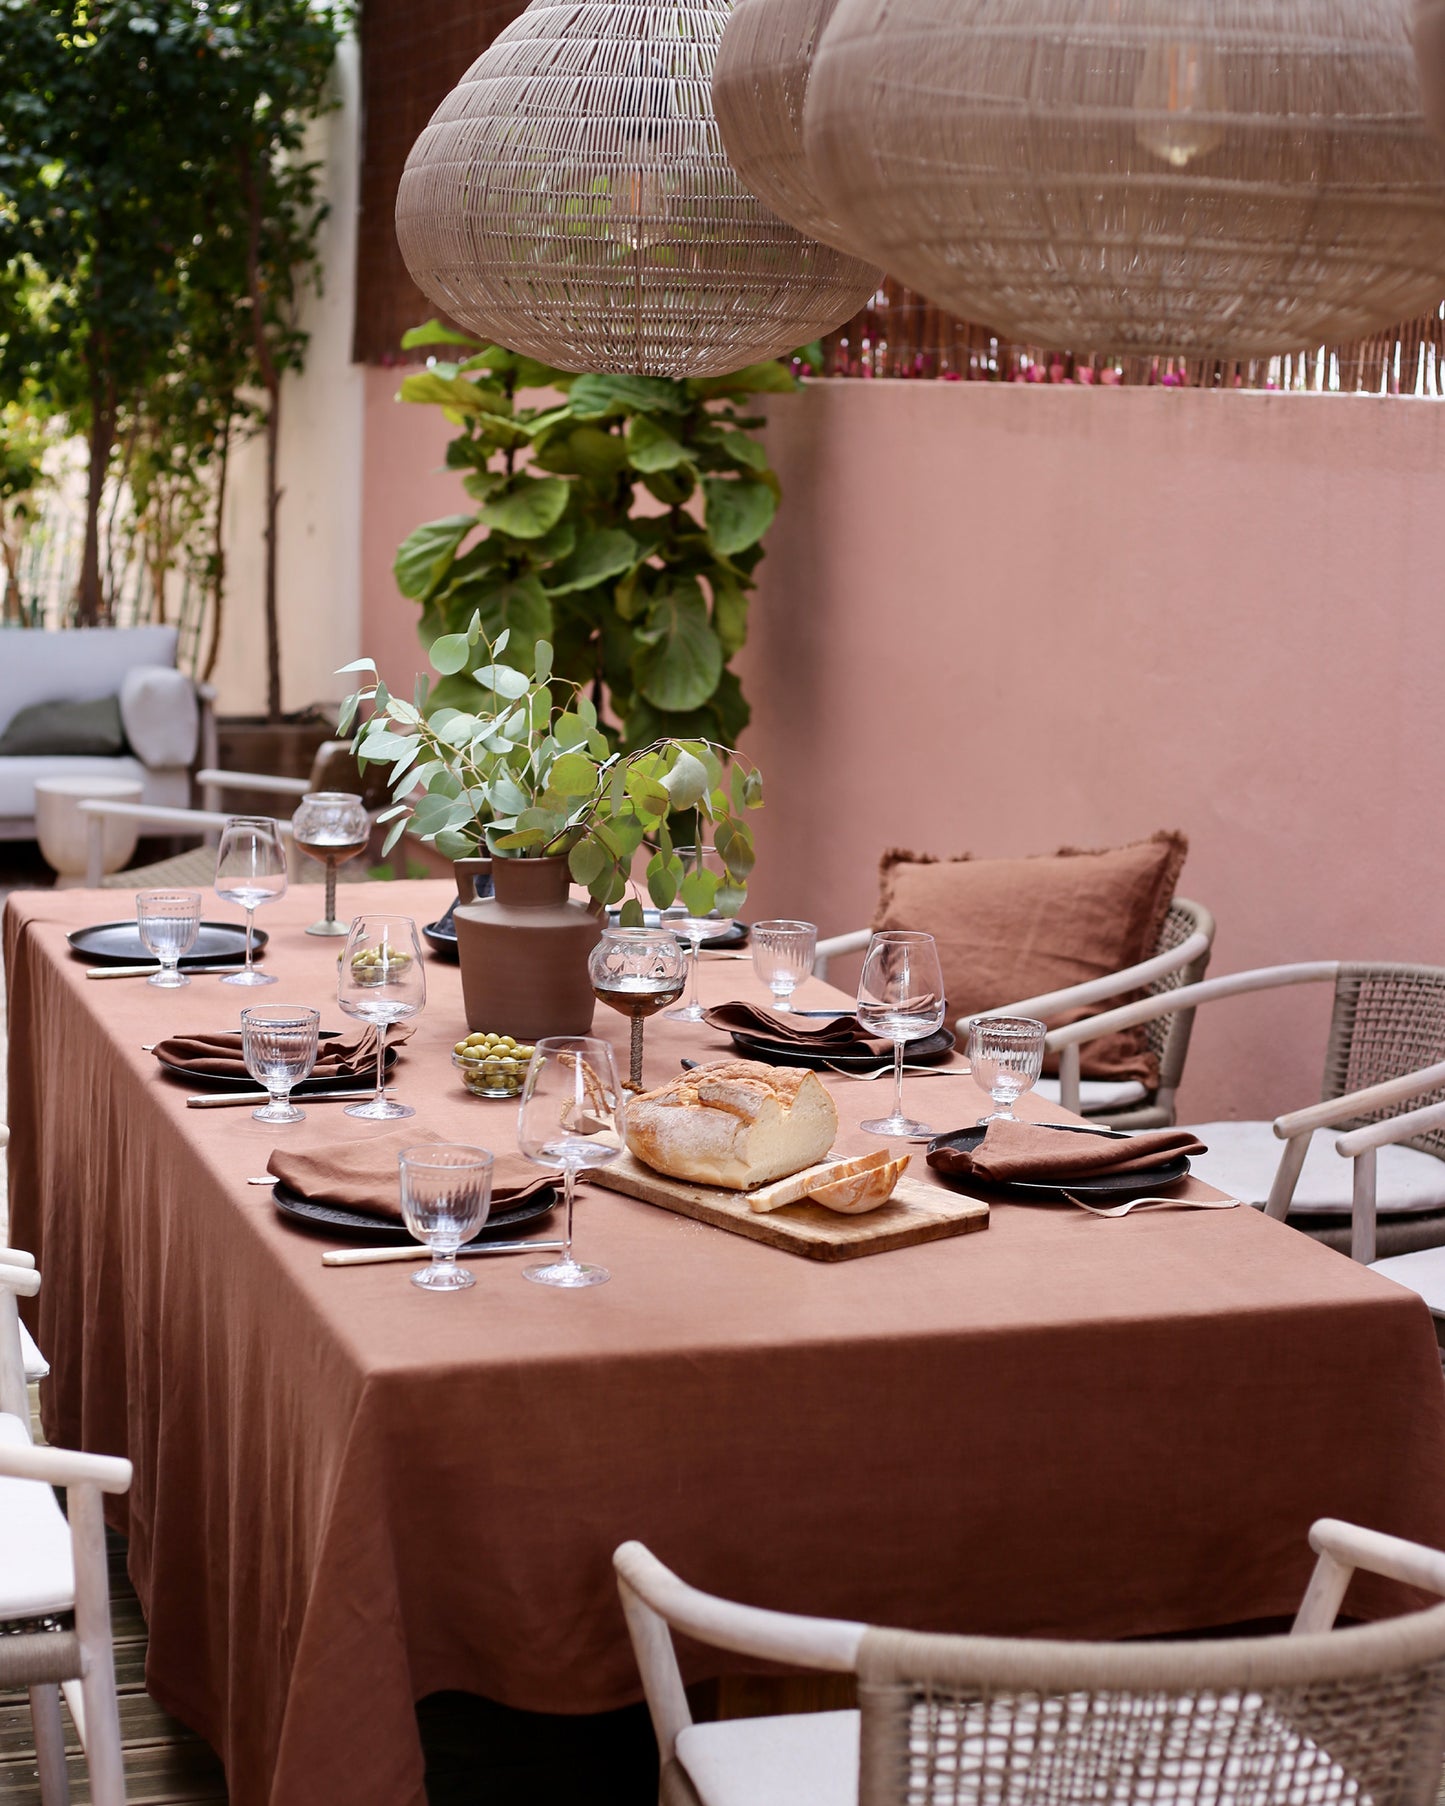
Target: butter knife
367	1257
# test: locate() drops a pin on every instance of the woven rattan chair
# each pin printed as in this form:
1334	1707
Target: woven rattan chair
1309	1719
54	1588
1385	1055
1180	958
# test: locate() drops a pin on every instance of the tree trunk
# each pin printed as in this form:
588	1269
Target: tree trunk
273	505
90	601
218	555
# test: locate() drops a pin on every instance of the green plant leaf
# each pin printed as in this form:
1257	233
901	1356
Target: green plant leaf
504	680
425	554
434	333
680	665
742	448
597	557
429	386
631	915
572	774
651	447
596	454
687	783
530	508
587	861
729	612
594	397
451	843
518	604
450	653
770	378
738	512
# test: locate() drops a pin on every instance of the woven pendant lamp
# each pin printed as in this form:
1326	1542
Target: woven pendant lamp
759	88
571	199
1231	178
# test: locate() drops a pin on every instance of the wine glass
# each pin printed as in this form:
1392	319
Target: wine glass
278	1044
571	1105
169	921
1006	1054
693	920
446	1197
250	870
783	957
637	971
332	826
900	998
382	981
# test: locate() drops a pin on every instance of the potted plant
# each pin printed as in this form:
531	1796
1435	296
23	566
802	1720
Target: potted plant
527	776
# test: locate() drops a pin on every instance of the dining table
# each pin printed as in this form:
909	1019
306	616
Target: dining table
350	1494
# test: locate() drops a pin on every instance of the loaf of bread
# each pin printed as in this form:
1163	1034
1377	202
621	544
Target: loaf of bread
736	1124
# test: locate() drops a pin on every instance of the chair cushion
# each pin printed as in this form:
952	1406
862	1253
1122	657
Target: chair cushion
161	715
37	1569
79	729
1422	1272
1013	928
17	781
1097	1095
805	1759
1243	1158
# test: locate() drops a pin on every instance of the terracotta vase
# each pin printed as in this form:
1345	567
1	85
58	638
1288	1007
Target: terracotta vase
474	879
524	951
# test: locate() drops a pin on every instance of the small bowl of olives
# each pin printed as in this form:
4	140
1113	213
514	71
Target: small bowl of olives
375	965
491	1065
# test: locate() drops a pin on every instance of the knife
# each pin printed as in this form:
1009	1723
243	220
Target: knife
366	1257
210	1100
147	971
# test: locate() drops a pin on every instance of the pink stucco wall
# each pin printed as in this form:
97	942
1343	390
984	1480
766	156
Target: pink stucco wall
1004	619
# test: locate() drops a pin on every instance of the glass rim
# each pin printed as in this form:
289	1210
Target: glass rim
784	925
901	934
634	935
417	1156
250	821
283	1012
170	896
1009	1025
331	796
368	916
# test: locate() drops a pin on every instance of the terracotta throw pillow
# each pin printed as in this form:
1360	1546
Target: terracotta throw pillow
1008	929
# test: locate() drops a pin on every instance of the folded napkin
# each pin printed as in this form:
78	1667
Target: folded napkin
352	1055
845	1034
363	1174
1050	1155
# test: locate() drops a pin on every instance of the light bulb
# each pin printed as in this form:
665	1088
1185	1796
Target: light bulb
1181	91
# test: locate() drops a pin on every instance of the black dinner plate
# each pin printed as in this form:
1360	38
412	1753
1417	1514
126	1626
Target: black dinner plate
932	1050
1095	1185
730	935
119	944
441	935
216	1081
339	1219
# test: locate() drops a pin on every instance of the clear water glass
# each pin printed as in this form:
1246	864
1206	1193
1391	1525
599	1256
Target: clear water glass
382	980
690	921
1006	1054
250	871
571	1116
278	1044
783	955
331	826
900	999
446	1198
637	972
169	921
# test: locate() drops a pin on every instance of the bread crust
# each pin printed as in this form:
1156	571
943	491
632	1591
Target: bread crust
736	1124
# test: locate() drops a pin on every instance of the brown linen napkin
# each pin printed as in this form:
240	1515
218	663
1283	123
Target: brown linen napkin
1048	1155
844	1035
363	1175
351	1055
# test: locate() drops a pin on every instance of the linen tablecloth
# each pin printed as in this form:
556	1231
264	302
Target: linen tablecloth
349	1494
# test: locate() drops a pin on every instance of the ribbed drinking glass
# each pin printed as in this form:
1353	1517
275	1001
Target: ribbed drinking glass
278	1044
169	921
446	1197
783	955
1006	1054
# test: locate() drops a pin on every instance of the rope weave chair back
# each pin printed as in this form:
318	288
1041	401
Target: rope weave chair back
1169	1035
1351	1718
1388	1020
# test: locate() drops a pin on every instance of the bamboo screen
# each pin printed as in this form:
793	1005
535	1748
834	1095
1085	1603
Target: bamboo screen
414	52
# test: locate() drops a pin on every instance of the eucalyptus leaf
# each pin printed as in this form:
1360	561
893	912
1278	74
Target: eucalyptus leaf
450	653
587	861
573	774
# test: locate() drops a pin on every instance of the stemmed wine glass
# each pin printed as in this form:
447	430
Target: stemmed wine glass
169	921
572	1116
382	981
250	870
637	971
695	922
446	1197
900	998
1006	1055
783	957
278	1044
332	826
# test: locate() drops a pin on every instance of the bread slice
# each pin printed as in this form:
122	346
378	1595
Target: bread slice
735	1124
849	1186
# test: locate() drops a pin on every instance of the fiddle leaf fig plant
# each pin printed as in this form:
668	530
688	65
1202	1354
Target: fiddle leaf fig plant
620	520
524	770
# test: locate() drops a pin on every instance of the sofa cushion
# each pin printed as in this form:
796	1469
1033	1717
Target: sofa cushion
161	715
68	729
1008	929
74	664
17	781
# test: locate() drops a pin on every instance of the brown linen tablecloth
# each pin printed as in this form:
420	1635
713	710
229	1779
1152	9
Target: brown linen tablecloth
349	1494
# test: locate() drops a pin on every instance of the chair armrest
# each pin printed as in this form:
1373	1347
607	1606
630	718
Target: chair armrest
159	815
24	1280
64	1467
1385	1134
1342	1548
1092	990
852	942
17	1257
1208	990
1355	1103
252	780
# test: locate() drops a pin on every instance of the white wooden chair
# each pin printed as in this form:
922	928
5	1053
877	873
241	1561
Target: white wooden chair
53	1565
1308	1719
1386	1052
1180	958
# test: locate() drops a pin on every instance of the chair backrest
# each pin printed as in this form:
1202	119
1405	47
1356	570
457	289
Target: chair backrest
1169	1035
74	664
1388	1020
1351	1717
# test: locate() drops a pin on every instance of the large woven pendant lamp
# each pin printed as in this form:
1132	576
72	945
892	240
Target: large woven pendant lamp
1231	178
759	89
571	199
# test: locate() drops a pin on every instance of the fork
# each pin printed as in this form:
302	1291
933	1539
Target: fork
1122	1210
884	1072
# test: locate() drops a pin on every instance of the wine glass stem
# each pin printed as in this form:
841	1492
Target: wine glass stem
692	1002
569	1192
897	1079
250	920
380	1061
330	891
636	1072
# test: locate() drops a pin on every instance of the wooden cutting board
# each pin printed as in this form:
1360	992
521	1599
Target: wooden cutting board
917	1212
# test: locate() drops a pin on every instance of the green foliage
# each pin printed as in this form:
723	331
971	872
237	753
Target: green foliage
522	768
621	523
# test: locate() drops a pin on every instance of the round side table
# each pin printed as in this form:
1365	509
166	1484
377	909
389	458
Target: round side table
64	833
